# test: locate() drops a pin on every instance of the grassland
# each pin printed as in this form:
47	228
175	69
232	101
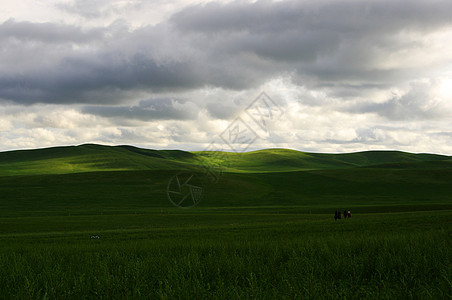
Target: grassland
265	230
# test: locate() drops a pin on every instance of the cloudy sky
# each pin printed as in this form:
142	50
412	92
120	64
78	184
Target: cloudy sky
341	76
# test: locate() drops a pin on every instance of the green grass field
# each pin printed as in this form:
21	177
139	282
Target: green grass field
265	230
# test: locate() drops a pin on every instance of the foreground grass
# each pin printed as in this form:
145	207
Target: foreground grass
254	235
233	255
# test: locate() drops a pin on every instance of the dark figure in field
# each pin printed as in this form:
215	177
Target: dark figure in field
335	215
345	214
339	214
349	214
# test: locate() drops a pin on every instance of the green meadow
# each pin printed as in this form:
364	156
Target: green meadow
265	230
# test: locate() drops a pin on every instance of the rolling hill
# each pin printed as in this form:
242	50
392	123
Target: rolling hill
95	158
91	158
90	178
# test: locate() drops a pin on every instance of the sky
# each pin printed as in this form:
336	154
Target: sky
312	75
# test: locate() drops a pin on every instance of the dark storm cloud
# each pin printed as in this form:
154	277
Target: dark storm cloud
237	46
295	31
348	17
319	42
103	78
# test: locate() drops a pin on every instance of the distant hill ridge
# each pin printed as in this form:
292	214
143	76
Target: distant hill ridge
93	157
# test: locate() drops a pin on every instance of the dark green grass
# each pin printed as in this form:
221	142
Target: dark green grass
263	235
261	232
315	191
224	255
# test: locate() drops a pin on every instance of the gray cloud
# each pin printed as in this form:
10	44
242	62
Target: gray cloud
239	45
147	110
341	16
337	54
101	78
87	8
417	104
47	33
351	75
221	111
295	31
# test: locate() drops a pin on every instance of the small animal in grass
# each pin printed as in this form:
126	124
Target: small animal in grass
95	237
